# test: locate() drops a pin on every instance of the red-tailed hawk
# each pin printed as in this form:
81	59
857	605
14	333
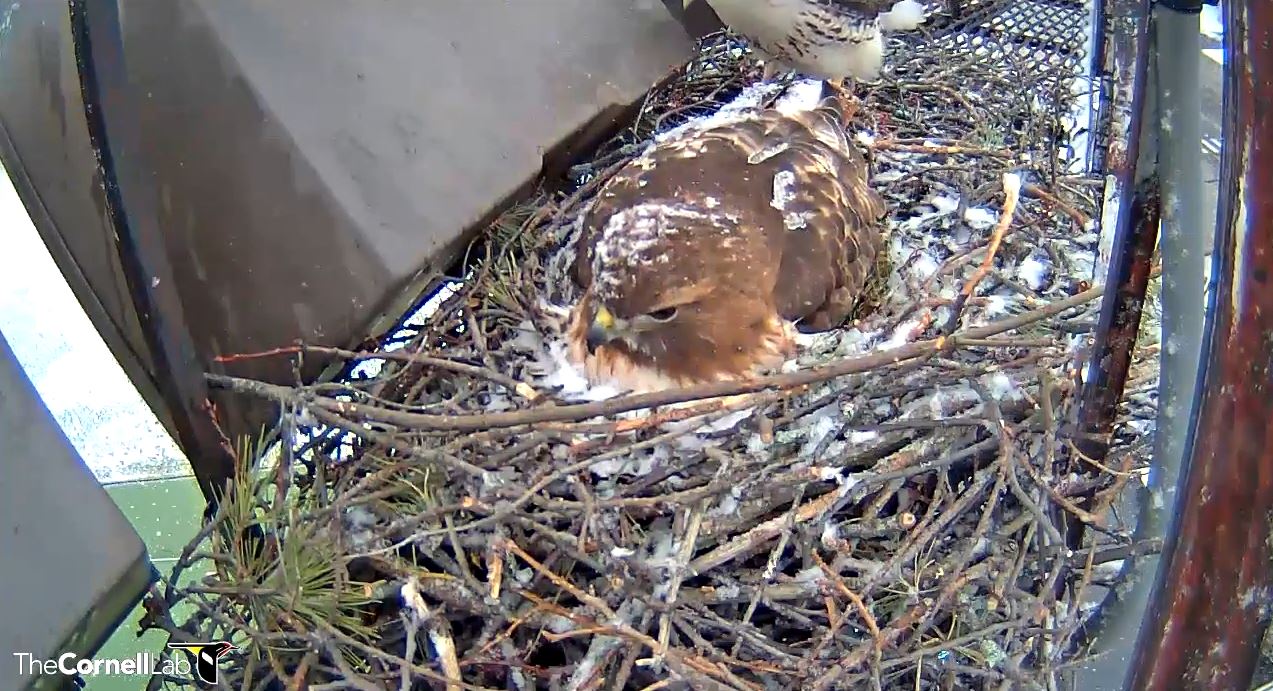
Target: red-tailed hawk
700	257
831	40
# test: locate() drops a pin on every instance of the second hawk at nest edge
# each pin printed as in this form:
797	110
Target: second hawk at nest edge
831	40
701	257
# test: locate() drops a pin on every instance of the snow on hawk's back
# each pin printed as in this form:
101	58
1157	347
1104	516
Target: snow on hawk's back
636	236
801	96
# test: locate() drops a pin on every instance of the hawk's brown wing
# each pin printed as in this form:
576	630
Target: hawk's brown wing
826	263
794	177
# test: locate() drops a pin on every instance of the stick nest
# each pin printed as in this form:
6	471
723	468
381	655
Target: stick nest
891	511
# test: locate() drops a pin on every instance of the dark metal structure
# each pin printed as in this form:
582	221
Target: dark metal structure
139	240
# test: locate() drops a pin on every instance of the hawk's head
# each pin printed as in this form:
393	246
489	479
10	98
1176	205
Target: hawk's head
647	321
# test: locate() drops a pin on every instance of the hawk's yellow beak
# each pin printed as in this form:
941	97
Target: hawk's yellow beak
601	330
603	318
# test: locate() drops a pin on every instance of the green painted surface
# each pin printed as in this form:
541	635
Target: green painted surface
166	513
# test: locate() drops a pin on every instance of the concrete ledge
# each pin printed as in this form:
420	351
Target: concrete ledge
311	156
72	565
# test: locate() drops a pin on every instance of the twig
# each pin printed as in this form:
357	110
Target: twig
588	671
590	600
899	628
937	149
764	532
444	645
1080	219
1012	192
410	357
854	598
688	542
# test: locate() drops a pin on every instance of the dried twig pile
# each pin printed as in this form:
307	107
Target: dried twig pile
885	513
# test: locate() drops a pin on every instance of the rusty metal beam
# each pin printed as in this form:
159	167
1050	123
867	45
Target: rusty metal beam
1115	337
1204	625
1131	160
1133	164
132	205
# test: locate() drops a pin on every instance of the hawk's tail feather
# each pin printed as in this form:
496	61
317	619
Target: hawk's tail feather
802	95
833	101
815	95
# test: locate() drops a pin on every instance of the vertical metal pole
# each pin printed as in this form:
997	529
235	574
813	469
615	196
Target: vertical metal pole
1212	601
1183	239
1173	116
1168	178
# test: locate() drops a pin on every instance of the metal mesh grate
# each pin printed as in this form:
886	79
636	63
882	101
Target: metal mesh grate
1048	31
1026	60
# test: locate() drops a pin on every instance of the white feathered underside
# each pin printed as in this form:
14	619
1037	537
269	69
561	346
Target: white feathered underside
906	15
769	25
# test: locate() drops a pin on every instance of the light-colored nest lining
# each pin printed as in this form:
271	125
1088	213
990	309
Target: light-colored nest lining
884	513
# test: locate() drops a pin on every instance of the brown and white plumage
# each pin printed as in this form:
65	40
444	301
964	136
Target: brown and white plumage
699	258
831	40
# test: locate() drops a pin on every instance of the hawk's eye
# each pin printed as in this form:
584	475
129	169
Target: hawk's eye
663	315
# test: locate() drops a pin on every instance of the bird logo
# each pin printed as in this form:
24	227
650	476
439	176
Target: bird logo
205	657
